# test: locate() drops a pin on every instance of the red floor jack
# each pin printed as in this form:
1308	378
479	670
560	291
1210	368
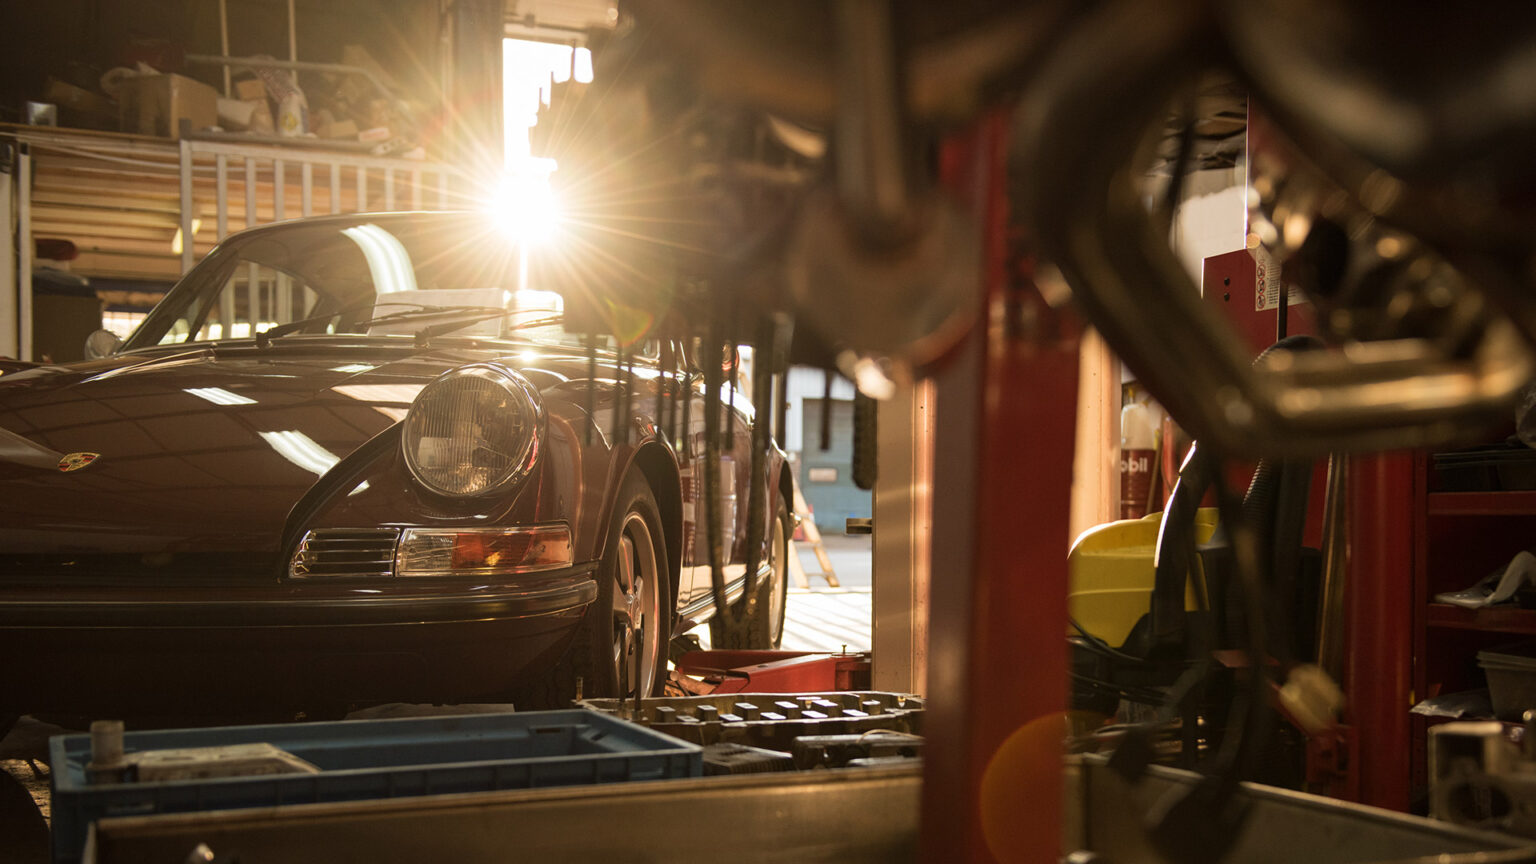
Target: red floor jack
701	673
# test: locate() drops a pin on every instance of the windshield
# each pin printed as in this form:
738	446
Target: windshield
383	276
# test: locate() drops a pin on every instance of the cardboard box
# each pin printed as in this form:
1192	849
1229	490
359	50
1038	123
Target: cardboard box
157	104
250	89
72	98
79	108
235	114
340	129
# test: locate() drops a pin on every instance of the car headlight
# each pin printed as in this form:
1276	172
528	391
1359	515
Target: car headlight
473	431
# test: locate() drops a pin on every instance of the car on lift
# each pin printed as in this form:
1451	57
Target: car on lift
355	459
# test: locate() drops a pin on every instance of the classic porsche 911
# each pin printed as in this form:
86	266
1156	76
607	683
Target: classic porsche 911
350	460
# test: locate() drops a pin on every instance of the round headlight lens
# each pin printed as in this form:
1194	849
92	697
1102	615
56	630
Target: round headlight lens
473	431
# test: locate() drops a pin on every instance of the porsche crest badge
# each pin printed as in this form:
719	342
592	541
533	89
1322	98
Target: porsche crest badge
76	461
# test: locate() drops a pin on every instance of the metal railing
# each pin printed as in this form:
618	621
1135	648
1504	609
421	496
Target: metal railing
238	185
340	173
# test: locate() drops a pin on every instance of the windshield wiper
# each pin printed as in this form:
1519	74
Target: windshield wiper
425	335
264	337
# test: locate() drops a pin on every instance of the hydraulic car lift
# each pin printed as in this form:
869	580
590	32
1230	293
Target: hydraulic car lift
997	658
997	661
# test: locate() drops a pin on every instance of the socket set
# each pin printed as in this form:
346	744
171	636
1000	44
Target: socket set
771	720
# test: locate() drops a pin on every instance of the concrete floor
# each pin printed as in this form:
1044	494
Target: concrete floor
823	618
850	560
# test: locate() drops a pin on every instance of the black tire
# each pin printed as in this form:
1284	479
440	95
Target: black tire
592	656
765	628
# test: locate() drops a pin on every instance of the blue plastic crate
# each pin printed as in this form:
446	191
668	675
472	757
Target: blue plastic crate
360	759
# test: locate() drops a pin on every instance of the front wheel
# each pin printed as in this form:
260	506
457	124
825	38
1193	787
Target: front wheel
765	628
627	628
620	648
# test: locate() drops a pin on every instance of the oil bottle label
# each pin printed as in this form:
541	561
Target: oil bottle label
1136	467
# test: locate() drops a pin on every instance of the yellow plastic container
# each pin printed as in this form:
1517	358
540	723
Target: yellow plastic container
1112	573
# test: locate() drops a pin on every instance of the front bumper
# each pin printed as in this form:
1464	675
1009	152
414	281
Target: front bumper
265	656
333	604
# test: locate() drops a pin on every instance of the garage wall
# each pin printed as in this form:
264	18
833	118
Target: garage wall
826	476
1213	219
804	383
78	40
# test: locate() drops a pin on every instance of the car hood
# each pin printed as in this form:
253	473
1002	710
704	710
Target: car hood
190	453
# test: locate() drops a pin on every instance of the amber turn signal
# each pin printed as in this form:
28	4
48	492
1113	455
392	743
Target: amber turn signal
483	551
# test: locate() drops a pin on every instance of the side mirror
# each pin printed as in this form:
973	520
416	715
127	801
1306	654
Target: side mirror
102	343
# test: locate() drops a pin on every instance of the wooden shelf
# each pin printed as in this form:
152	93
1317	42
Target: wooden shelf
1494	619
1482	503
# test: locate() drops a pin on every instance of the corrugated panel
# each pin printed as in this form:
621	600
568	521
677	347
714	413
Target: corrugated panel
118	198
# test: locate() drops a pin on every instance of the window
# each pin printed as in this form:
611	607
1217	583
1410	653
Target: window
253	295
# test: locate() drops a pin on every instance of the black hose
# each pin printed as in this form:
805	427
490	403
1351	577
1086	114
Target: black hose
709	502
780	409
1175	191
826	413
731	352
1099	646
1242	752
730	405
1259	510
1174	558
1285	550
757	491
1276	506
1143	695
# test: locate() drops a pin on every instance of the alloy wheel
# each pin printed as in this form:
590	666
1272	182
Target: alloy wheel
636	611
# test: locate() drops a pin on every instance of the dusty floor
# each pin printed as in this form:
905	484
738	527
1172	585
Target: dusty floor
33	776
24	810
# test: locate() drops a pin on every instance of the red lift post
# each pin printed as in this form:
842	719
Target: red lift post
1003	477
1378	637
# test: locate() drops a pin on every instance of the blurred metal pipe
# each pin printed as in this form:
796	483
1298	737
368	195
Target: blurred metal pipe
1074	180
871	179
1330	631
